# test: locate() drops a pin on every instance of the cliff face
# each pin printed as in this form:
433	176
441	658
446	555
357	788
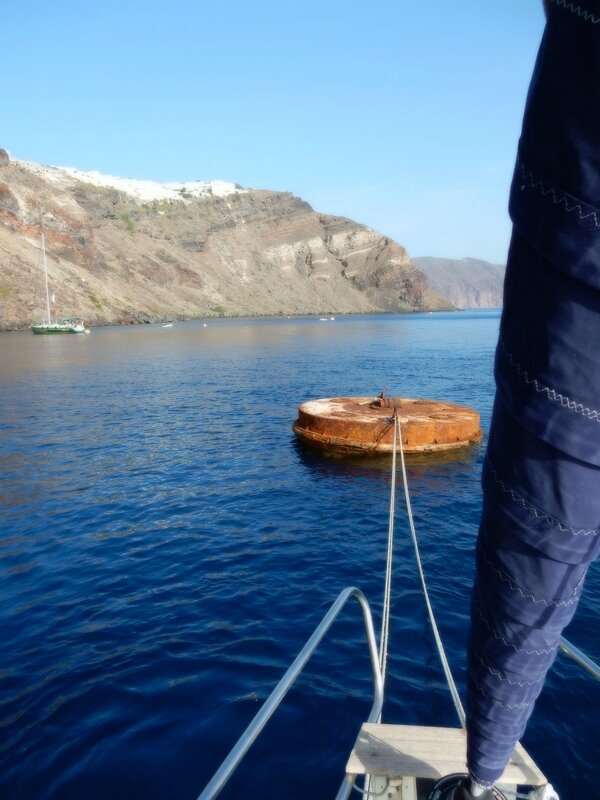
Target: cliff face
127	251
466	283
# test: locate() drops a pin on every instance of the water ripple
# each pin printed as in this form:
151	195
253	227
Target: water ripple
167	547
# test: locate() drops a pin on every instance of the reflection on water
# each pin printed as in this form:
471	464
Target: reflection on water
167	546
416	463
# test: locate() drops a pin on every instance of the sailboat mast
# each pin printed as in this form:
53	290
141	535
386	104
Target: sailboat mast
46	276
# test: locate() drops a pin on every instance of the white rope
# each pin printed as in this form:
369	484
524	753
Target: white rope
385	622
451	685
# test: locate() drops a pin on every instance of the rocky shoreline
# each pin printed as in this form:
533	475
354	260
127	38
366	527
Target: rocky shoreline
121	251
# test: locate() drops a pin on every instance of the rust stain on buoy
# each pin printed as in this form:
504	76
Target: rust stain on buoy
366	424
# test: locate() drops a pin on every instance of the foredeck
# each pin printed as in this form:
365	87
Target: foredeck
406	750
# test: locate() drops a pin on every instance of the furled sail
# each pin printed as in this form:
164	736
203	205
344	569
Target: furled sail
541	515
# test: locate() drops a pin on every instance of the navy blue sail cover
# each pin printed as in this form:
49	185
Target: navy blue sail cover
540	524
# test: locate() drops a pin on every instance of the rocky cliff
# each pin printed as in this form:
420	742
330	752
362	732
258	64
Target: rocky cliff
465	282
122	251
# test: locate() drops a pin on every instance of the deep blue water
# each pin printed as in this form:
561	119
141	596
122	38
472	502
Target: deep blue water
166	548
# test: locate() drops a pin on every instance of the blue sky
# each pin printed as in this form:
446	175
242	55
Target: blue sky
403	115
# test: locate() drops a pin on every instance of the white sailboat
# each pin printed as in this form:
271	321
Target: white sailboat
58	326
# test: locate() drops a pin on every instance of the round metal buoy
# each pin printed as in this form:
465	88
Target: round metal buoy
363	425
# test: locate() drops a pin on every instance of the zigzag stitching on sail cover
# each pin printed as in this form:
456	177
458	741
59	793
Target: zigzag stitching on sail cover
588	16
516	706
502	677
534	181
536	511
566	402
498	635
526	595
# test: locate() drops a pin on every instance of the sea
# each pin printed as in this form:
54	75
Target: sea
167	547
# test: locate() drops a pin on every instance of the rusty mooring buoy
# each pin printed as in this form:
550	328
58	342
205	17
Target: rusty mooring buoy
363	425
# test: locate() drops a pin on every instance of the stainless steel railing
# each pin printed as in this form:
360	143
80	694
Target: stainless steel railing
243	744
270	705
579	657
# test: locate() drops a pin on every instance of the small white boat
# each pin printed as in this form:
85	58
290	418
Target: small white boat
167	325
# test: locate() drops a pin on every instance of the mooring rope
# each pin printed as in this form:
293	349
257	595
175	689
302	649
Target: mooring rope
385	624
